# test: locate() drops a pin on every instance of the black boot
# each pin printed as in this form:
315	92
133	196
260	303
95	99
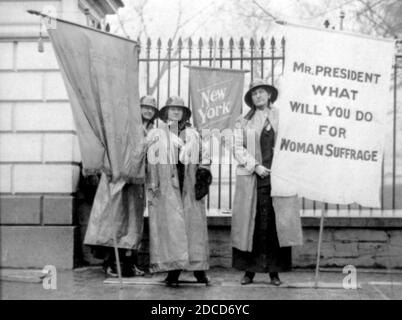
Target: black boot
274	276
173	277
201	276
129	268
248	278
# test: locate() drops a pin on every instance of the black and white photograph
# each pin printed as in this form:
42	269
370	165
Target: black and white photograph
198	156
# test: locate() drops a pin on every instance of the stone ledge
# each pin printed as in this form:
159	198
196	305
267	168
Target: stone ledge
358	222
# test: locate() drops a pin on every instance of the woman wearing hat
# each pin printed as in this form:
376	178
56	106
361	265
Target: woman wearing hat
255	223
130	213
177	216
149	112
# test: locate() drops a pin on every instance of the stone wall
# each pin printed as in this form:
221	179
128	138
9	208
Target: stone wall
39	154
39	159
361	242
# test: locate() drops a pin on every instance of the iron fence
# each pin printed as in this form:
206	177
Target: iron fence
162	74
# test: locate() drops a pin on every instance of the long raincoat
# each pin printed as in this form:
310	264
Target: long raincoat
248	153
117	206
177	221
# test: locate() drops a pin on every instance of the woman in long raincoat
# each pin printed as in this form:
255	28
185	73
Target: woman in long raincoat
127	212
177	215
263	228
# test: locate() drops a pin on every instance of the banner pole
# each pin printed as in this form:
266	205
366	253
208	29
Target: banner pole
353	34
116	250
37	13
317	266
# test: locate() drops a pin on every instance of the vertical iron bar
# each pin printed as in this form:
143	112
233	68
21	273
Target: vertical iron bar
200	44
190	45
231	44
199	51
220	142
179	47
148	64
210	47
283	42
252	58
262	45
159	46
272	60
241	47
394	137
169	50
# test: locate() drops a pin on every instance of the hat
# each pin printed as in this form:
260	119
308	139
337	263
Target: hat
174	101
148	101
257	83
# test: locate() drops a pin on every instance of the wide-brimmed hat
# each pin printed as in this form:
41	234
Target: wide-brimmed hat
257	83
148	101
174	101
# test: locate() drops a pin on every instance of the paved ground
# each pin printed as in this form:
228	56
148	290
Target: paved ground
88	283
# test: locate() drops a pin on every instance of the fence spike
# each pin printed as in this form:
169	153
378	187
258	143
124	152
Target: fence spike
180	43
190	43
251	43
262	43
169	44
159	43
241	43
231	43
200	44
272	42
149	43
283	42
210	43
220	43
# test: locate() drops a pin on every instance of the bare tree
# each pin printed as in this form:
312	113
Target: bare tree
380	17
137	13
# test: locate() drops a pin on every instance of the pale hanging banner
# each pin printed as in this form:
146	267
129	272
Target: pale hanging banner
100	72
333	99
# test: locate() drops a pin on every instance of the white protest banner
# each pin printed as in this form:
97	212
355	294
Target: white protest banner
332	101
216	96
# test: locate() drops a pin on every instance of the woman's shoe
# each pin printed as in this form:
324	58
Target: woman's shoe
111	272
129	265
201	277
274	276
173	278
110	269
138	272
247	278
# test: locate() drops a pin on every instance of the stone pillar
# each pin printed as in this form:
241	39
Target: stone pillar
39	154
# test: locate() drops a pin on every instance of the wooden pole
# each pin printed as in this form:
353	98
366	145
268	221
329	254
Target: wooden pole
317	265
116	250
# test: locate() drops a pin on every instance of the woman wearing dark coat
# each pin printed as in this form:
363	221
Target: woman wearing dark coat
256	247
